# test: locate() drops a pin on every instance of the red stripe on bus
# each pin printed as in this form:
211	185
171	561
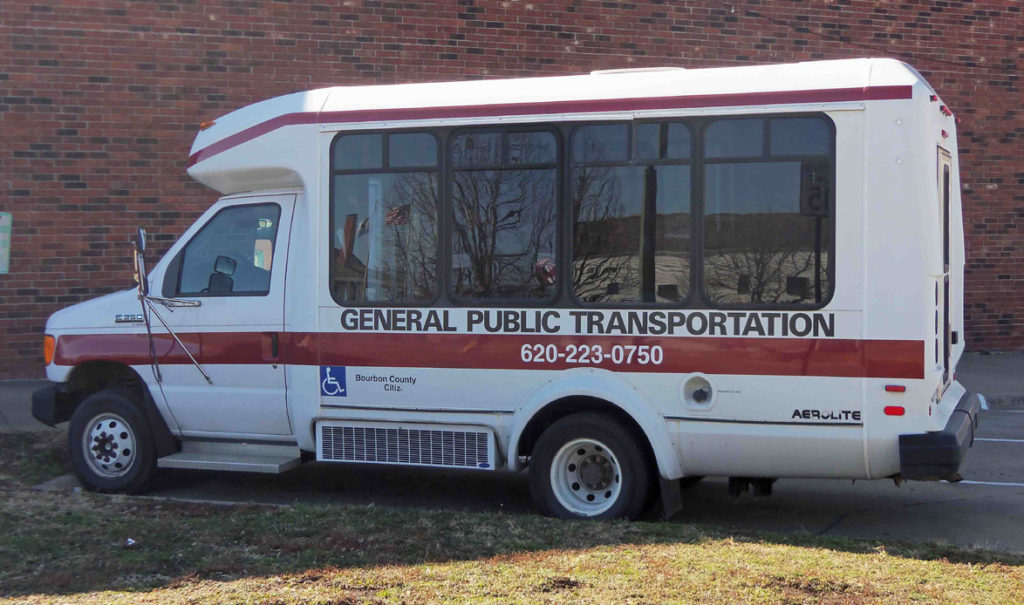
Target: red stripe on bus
133	349
752	356
782	97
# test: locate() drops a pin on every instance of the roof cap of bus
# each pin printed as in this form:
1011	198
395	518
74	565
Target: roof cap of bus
460	102
634	70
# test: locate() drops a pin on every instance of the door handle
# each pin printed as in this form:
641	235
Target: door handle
273	344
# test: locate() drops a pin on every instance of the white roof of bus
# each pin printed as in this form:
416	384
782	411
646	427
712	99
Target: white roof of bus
318	105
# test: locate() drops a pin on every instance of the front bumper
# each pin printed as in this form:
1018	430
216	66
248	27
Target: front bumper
51	405
937	455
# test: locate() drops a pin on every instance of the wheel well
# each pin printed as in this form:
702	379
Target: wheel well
560	408
95	376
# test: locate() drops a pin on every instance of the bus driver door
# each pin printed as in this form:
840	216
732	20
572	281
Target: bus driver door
234	265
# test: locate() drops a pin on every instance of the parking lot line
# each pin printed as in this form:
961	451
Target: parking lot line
995	483
999	440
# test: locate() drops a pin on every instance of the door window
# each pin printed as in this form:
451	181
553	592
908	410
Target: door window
233	254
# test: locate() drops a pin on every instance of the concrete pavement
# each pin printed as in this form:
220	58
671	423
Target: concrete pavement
16	405
998	376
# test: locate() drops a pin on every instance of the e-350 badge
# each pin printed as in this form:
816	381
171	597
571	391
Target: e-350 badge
128	318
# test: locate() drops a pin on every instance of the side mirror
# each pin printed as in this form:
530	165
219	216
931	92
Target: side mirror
140	262
140	240
225	265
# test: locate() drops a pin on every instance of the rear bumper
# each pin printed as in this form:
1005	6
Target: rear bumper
937	455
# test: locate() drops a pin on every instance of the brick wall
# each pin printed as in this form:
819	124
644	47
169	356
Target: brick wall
101	100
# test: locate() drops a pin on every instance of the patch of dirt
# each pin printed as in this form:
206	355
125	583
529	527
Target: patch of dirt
815	590
557	584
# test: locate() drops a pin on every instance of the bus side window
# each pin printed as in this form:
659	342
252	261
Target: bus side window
631	213
504	210
768	221
384	218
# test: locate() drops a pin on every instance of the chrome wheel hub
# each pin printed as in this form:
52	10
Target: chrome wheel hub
586	477
109	445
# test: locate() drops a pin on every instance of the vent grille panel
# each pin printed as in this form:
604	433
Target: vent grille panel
419	446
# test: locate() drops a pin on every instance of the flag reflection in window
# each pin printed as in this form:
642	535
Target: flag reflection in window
384	218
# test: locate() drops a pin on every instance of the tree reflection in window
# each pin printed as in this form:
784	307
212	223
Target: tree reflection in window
631	231
504	209
768	220
385	220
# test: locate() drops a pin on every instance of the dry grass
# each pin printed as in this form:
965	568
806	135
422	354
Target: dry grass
72	548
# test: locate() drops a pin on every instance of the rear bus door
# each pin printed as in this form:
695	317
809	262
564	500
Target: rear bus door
943	329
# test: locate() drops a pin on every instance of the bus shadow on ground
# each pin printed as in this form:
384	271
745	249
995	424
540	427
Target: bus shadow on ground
920	512
395	516
367	516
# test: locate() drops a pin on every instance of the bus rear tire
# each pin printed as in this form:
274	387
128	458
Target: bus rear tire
111	443
588	466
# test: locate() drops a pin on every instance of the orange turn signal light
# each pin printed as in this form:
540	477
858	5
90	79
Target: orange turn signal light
205	125
49	346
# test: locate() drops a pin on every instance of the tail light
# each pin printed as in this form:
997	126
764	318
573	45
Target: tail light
49	346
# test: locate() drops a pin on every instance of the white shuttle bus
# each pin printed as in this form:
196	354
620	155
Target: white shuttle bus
614	281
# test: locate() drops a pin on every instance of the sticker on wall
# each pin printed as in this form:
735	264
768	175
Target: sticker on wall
5	242
332	381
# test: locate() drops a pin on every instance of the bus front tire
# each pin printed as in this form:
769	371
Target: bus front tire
588	466
111	444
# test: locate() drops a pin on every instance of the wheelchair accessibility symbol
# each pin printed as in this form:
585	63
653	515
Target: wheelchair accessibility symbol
332	381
